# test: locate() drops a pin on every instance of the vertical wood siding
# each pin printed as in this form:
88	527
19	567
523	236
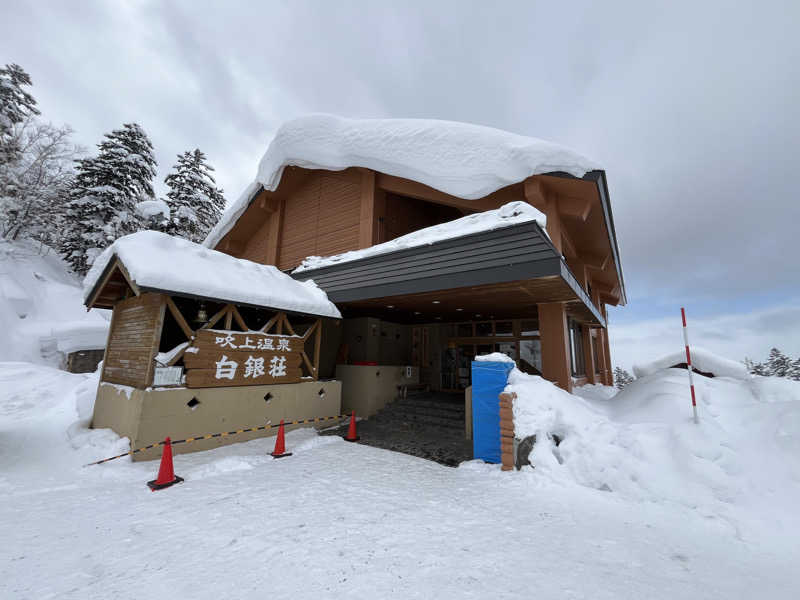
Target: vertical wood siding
133	341
320	218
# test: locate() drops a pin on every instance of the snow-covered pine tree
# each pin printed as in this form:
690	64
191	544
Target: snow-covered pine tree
778	364
756	368
622	377
106	189
195	202
16	105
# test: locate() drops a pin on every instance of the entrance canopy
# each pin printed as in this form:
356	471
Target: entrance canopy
501	271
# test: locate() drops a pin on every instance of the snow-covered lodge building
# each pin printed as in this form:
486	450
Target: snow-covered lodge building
436	241
439	241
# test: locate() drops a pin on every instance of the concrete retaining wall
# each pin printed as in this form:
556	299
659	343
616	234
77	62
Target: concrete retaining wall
148	416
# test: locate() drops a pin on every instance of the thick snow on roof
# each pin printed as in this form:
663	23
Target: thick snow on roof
460	159
509	214
702	360
162	262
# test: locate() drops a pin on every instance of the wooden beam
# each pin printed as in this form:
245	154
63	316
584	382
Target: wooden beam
535	194
239	319
178	356
596	261
570	250
279	324
151	363
274	239
554	229
176	314
288	325
213	321
577	208
413	189
229	317
308	364
317	347
310	330
367	220
268	325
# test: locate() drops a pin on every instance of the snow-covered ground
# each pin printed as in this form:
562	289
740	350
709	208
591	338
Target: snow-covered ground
41	309
345	520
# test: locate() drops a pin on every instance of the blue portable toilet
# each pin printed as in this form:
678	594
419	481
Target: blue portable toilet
488	381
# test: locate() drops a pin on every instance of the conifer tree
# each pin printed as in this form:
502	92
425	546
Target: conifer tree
756	368
16	105
794	370
195	202
778	364
106	189
622	377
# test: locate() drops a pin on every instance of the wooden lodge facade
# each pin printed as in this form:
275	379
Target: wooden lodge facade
338	286
538	296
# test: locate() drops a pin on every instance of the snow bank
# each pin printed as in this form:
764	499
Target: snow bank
642	443
509	214
494	357
159	261
461	159
41	310
702	360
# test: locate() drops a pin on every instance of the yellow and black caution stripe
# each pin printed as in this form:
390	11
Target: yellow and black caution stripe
221	434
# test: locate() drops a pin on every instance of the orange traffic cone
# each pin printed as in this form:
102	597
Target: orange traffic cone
166	476
352	436
280	444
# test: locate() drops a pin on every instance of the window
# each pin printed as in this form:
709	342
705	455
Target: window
576	349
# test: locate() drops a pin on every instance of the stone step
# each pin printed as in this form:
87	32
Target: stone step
393	418
427	402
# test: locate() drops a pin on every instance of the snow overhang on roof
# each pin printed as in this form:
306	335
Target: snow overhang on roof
460	159
154	261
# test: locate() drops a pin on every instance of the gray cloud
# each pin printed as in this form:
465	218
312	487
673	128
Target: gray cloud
690	106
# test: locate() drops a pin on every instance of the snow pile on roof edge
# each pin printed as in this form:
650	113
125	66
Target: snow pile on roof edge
702	360
461	159
159	261
508	214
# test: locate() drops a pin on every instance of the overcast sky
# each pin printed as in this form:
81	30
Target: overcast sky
692	109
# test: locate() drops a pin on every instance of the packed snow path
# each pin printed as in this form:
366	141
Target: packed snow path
334	520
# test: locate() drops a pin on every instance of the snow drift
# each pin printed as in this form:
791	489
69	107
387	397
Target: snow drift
642	444
702	360
41	313
163	262
460	159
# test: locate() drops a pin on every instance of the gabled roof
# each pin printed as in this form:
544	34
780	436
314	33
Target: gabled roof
460	159
153	261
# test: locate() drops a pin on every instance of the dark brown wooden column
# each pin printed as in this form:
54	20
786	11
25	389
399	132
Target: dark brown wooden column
555	344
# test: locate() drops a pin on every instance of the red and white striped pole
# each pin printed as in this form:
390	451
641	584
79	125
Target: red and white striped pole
689	364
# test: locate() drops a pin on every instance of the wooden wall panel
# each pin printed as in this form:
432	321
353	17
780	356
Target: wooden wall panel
320	218
133	340
257	248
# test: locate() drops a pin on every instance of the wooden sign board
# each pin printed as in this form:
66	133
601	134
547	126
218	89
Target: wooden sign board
228	358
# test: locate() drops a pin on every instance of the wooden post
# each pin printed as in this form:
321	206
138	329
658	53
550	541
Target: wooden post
317	346
554	223
274	240
367	214
555	344
588	355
